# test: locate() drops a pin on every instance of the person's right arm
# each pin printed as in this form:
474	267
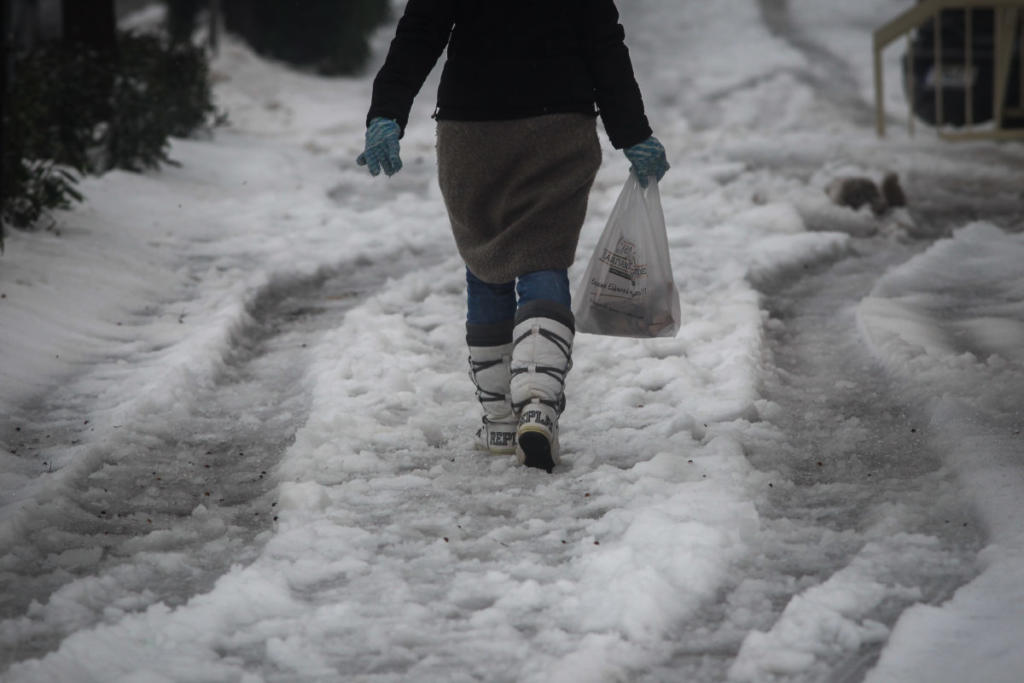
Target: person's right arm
422	34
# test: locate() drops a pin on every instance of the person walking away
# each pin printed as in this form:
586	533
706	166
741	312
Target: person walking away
517	152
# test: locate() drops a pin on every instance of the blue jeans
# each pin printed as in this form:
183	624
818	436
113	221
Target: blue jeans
496	303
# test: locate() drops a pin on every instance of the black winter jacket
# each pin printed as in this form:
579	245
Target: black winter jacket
512	59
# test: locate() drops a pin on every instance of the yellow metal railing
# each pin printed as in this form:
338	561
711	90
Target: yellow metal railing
1008	29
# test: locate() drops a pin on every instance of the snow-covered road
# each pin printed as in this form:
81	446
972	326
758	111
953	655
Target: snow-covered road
236	441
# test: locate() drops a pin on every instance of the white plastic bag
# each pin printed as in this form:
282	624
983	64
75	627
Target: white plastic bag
628	290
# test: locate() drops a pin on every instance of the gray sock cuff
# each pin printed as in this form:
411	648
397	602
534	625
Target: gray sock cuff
541	308
492	334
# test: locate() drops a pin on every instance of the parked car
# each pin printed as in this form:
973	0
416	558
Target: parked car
922	76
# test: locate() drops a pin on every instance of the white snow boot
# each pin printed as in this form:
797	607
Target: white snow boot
541	358
489	370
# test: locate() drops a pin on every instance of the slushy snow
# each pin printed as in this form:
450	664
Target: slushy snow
237	432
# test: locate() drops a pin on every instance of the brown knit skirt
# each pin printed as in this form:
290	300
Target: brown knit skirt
516	191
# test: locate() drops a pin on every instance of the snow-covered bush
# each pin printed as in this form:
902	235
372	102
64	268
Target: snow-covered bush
74	111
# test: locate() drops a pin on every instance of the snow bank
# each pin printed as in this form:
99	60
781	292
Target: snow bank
950	323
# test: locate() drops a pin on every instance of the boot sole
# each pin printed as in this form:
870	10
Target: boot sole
480	448
536	451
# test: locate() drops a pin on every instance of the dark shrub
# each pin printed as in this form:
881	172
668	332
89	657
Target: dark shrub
158	92
327	35
76	110
181	18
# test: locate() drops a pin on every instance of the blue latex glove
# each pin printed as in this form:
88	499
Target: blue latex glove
382	147
648	159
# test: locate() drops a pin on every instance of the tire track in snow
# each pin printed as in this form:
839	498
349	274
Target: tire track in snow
170	502
828	75
862	520
863	466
